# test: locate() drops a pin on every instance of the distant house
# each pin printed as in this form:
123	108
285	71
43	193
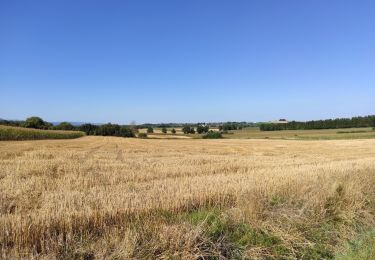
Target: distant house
280	121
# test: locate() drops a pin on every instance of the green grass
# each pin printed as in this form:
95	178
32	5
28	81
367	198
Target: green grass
362	248
9	133
233	238
320	134
353	132
222	237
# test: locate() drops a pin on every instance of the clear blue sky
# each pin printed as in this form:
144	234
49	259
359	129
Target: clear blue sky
186	61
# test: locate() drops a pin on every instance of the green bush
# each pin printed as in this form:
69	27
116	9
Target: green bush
212	135
150	130
164	130
126	132
142	135
202	129
188	130
173	131
115	130
64	126
89	129
37	123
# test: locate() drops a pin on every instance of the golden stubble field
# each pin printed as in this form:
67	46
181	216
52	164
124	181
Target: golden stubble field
108	197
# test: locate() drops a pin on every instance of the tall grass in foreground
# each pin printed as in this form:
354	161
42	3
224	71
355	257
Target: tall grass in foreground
19	133
117	198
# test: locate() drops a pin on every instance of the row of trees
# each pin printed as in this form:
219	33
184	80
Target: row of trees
164	130
38	123
31	122
188	130
225	126
354	122
200	129
90	129
104	130
234	126
107	130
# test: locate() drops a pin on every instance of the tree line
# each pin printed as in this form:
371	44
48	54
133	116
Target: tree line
354	122
90	129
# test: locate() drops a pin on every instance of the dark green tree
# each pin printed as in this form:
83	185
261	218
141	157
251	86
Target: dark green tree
64	126
125	131
188	130
89	129
202	129
36	122
366	121
212	135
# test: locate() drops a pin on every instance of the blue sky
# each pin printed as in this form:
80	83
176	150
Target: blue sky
186	61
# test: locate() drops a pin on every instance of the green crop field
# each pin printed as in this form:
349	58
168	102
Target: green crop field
321	134
20	133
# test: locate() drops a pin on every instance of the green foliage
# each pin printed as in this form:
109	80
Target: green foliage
212	135
234	237
107	130
188	130
142	135
229	126
150	130
164	130
64	126
37	123
11	122
354	122
126	132
173	131
19	133
202	129
362	248
235	126
114	130
89	129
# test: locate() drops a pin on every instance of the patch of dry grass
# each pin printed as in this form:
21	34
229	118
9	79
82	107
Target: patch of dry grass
109	197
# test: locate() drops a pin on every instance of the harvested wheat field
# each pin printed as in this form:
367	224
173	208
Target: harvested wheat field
117	198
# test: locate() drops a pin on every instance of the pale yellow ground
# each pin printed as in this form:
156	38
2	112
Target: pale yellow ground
58	183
